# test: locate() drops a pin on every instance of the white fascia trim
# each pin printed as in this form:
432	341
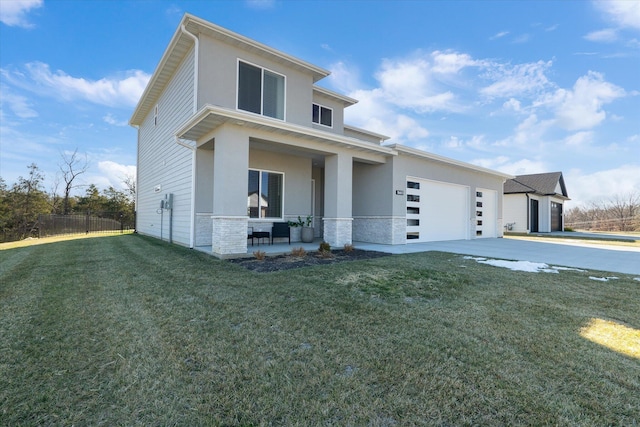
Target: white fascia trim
331	94
321	72
419	153
367	132
280	125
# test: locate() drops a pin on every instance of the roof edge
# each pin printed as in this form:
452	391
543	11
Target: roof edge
420	153
348	101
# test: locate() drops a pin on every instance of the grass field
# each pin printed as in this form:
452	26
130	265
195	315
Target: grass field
127	330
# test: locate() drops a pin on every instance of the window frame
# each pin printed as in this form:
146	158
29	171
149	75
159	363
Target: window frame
320	107
262	86
267	218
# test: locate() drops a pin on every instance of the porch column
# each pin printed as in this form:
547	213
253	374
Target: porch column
338	217
230	183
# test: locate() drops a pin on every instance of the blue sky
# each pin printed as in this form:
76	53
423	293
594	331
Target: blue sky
517	86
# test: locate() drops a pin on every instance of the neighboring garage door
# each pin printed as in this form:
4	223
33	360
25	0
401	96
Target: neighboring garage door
486	213
556	216
436	211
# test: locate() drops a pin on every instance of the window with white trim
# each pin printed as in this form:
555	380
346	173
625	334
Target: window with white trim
322	115
260	91
265	194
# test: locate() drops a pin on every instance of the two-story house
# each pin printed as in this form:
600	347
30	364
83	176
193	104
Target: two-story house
235	134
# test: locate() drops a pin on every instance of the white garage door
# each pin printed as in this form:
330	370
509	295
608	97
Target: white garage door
436	211
486	213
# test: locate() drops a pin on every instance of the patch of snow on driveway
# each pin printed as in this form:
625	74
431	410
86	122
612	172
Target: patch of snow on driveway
528	266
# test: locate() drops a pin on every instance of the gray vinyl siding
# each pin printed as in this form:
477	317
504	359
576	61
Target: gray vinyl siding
218	72
162	162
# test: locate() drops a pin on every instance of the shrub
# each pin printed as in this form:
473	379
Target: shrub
298	252
324	250
260	255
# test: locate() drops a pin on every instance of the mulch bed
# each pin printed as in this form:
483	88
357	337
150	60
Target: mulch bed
288	261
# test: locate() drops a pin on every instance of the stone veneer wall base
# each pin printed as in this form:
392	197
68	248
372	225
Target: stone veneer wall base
337	231
229	236
386	230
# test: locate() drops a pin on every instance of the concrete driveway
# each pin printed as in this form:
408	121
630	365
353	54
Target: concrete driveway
568	253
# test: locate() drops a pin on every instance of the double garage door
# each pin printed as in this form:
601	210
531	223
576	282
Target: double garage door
439	211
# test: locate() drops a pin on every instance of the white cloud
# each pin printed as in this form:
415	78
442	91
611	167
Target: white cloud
375	114
118	91
581	107
506	165
113	121
511	80
477	142
607	35
512	104
624	13
408	83
112	174
450	62
602	185
18	104
499	35
528	133
13	12
579	139
344	77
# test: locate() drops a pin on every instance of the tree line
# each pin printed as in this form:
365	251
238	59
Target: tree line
619	213
23	202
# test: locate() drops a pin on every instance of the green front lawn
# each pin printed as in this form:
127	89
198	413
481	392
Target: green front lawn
127	330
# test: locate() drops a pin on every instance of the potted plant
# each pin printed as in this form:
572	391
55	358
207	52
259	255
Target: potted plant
307	230
296	229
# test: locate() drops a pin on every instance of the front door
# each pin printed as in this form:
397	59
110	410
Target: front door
533	212
556	216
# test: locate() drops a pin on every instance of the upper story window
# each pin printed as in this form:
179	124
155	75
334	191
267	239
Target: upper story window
260	91
322	115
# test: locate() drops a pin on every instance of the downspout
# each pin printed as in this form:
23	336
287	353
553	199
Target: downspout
195	66
192	227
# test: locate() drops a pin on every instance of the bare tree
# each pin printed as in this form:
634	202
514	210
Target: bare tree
624	208
70	169
619	213
129	182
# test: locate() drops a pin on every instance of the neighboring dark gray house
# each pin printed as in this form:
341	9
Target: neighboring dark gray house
535	203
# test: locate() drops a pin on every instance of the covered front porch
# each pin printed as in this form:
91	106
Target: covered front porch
250	174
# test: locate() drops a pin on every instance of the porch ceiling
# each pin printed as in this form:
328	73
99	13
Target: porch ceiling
211	117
